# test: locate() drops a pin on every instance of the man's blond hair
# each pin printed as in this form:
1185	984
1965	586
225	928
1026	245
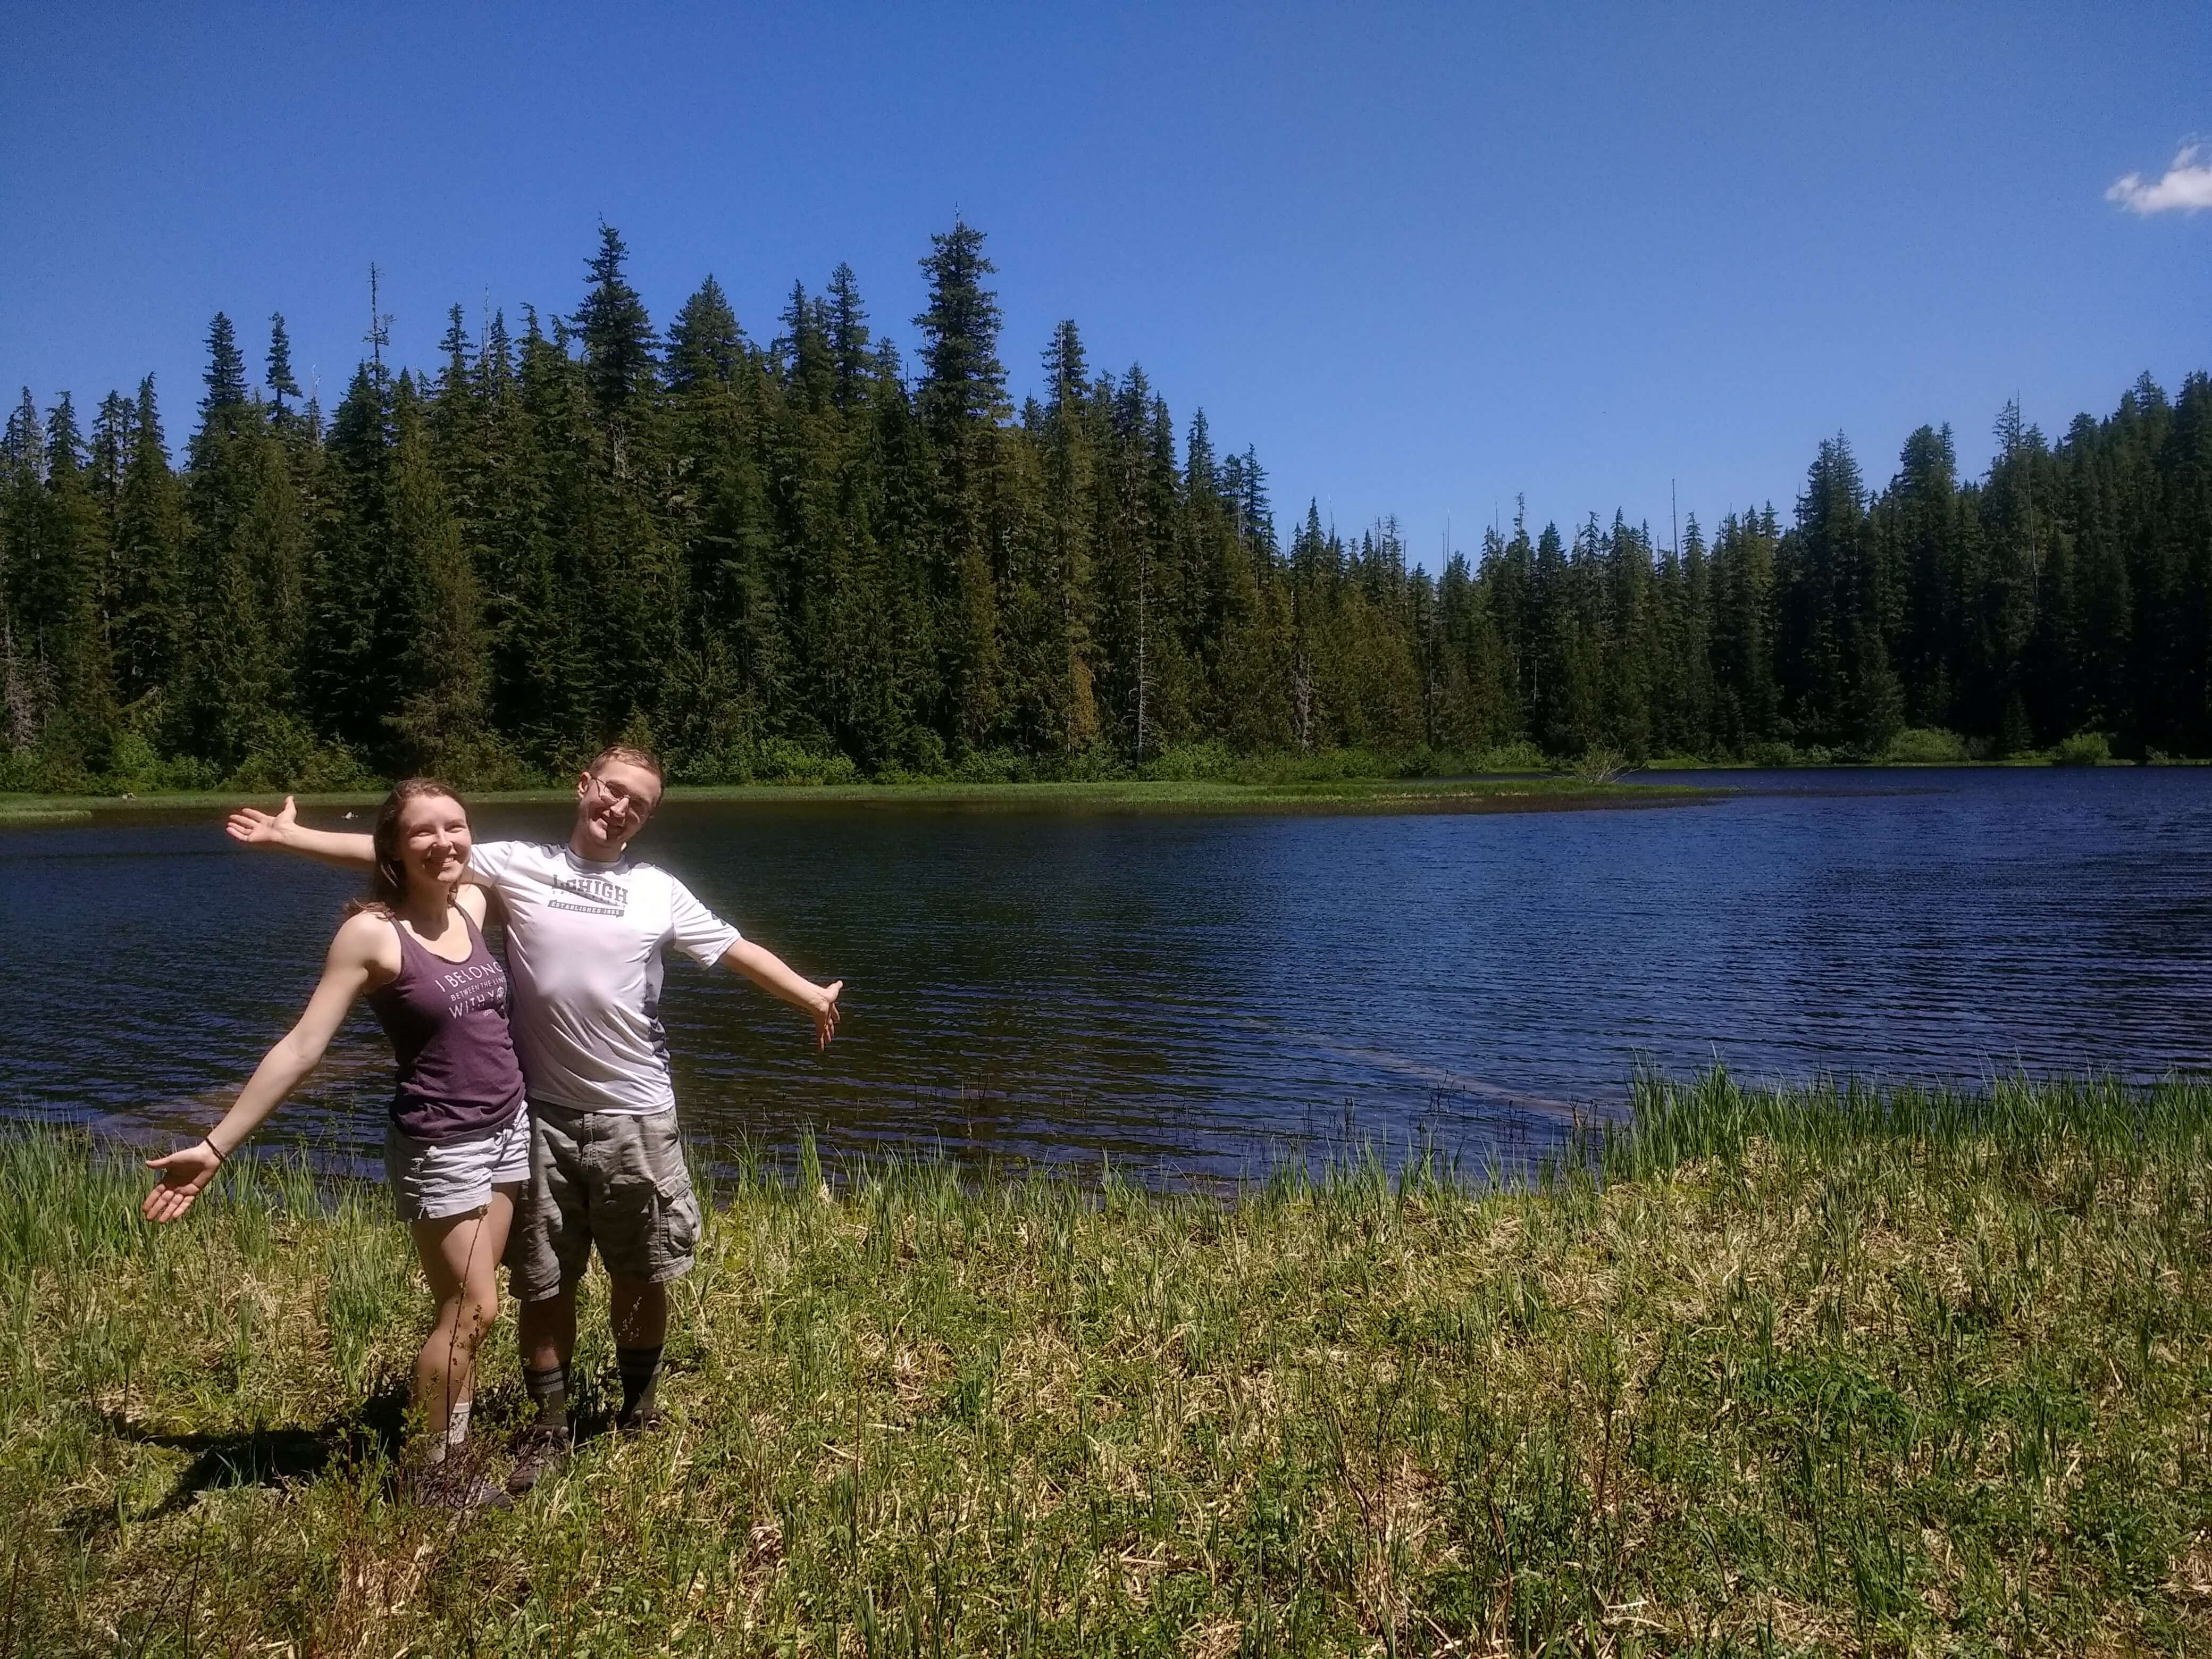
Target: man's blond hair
629	755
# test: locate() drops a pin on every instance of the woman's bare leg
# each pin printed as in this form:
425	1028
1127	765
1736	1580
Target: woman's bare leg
460	1257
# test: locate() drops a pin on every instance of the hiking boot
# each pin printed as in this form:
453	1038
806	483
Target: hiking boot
542	1449
648	1419
458	1486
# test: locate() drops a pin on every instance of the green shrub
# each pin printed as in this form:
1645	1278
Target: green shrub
1321	766
779	760
2083	749
922	753
287	755
1924	745
1096	764
1599	764
999	765
1519	756
1772	752
1190	763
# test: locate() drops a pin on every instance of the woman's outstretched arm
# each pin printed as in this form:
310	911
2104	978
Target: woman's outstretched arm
282	828
365	945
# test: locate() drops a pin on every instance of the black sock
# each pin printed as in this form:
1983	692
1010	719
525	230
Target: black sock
640	1369
549	1392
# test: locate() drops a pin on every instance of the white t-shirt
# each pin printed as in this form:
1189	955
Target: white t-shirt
583	947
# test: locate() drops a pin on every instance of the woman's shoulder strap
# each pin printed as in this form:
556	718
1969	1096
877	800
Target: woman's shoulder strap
367	928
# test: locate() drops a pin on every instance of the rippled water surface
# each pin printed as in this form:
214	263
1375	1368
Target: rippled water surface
1197	993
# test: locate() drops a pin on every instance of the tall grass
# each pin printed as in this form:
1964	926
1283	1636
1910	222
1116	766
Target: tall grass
1811	1369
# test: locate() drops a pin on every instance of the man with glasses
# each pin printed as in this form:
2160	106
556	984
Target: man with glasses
585	927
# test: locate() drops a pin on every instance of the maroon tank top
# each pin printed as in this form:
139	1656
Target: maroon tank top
447	1023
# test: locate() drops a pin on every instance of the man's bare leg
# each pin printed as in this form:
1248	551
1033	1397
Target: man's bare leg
547	1332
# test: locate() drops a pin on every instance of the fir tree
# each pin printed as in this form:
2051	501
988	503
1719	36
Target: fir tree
433	618
616	333
852	361
761	553
963	386
704	343
70	641
226	375
149	540
962	399
279	376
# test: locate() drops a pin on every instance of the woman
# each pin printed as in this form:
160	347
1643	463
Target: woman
458	1150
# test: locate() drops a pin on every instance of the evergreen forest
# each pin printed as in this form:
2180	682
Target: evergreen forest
807	559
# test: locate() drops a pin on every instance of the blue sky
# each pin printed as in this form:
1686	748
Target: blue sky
1423	258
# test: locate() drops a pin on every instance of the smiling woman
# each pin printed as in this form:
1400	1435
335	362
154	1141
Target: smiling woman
421	826
457	1151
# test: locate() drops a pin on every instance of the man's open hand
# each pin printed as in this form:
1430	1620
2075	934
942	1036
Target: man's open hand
258	829
825	1014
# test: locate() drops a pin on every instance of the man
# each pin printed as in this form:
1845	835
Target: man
585	926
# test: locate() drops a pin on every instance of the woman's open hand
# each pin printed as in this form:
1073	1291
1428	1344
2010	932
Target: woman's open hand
184	1174
258	829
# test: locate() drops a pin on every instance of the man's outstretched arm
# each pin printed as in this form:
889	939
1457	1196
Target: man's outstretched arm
256	828
768	971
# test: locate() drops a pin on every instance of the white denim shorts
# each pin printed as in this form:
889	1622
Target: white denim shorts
432	1180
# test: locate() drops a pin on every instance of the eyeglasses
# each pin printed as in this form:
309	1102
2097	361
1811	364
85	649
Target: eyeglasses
641	804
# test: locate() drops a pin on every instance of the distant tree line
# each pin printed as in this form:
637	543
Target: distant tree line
797	559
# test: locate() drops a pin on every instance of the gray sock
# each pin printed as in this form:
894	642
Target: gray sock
549	1392
641	1370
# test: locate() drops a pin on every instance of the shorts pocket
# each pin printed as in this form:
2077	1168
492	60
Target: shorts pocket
679	1218
675	1203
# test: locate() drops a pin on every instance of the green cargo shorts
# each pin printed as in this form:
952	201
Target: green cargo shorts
614	1179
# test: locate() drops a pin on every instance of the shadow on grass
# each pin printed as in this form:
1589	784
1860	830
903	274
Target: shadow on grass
274	1457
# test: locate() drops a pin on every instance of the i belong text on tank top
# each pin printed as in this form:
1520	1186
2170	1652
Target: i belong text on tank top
448	1025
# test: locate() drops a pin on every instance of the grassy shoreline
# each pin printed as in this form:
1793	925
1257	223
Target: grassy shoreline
1528	794
1763	1371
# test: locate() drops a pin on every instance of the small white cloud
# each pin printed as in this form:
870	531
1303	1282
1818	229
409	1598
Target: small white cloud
2186	186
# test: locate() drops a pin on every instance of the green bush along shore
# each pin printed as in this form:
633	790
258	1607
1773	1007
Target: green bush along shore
1857	1370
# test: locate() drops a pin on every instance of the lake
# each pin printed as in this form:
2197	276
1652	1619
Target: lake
1196	995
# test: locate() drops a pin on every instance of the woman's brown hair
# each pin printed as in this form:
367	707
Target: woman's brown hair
388	880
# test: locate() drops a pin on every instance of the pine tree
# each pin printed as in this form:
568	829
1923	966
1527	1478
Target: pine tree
70	643
736	654
540	602
148	553
964	389
350	687
226	692
273	543
620	366
226	376
230	683
705	345
1067	678
752	553
851	360
22	510
278	377
803	348
962	399
435	618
